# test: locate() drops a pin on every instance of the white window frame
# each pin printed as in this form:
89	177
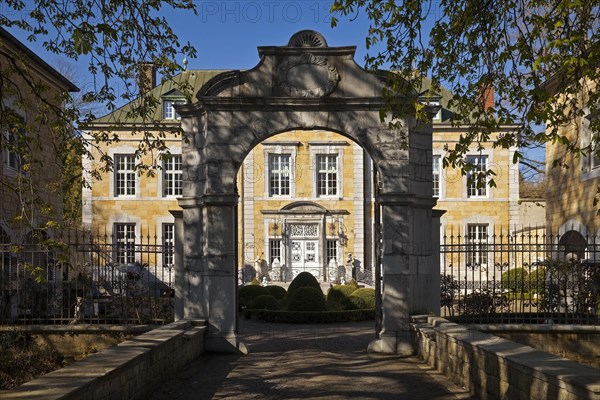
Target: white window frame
437	172
171	176
481	193
279	148
335	247
590	164
319	173
126	175
275	251
280	174
168	109
168	243
327	148
124	235
478	245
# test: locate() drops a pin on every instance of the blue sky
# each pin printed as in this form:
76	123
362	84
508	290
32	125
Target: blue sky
226	33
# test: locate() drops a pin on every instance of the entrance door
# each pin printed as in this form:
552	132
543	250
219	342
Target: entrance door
305	257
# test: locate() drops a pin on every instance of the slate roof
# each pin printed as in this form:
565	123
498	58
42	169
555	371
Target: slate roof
195	77
198	77
16	44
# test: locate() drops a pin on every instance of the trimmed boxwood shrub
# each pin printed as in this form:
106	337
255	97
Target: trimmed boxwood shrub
352	283
338	297
515	280
303	279
313	317
307	298
265	302
276	291
250	292
363	298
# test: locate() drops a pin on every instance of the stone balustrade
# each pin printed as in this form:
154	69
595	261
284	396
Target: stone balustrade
496	368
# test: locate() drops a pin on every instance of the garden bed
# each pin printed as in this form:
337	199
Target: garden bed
304	317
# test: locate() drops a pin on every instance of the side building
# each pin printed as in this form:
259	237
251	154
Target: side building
32	138
571	214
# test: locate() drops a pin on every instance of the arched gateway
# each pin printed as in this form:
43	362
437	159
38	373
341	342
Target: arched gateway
304	85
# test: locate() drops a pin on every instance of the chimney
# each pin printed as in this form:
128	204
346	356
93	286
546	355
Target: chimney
486	97
147	79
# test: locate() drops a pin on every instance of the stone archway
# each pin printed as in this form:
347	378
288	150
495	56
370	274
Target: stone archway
304	85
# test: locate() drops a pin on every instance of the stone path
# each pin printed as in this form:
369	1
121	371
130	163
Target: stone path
308	362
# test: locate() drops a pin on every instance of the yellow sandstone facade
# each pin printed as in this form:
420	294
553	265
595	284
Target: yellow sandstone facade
570	192
306	197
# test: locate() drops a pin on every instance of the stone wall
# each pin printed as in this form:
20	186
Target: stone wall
580	343
496	368
130	370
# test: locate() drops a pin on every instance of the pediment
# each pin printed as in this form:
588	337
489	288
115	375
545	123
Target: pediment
304	206
305	68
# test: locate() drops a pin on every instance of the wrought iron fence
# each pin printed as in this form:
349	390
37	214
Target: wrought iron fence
86	277
520	276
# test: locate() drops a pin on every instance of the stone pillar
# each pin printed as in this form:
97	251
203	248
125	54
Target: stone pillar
179	281
210	268
410	275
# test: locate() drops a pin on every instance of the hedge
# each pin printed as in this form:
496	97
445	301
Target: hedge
338	298
363	298
303	279
316	317
250	292
265	302
276	291
307	298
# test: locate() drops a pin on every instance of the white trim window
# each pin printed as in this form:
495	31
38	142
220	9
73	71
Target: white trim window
168	110
124	175
477	240
168	242
591	162
327	175
124	240
331	251
172	176
437	173
479	164
10	155
279	174
275	251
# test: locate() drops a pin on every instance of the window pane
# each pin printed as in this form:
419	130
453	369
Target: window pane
436	176
332	251
125	175
172	176
479	165
477	238
124	238
168	245
275	251
279	174
168	109
327	175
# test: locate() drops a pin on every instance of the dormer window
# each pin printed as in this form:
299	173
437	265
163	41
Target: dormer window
438	116
169	112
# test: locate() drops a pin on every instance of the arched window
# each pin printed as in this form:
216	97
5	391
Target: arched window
572	245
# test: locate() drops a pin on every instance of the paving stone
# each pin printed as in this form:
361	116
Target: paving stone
308	362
